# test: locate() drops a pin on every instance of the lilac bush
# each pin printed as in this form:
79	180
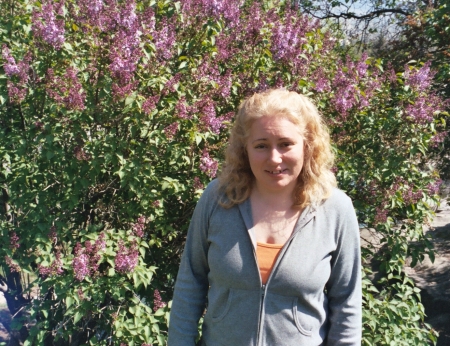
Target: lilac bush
114	118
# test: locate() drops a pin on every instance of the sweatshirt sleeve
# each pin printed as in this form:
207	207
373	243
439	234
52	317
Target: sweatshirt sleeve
191	286
344	285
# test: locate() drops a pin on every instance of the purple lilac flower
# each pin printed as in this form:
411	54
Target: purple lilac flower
86	260
125	50
433	188
13	267
124	55
381	215
285	41
209	118
119	91
126	258
208	165
66	90
361	66
157	301
410	197
171	130
16	93
97	13
181	109
438	138
254	24
76	96
150	104
14	241
80	266
164	39
229	9
279	82
288	37
198	185
54	269
148	21
100	243
128	16
138	227
421	112
171	84
328	42
10	66
321	81
390	74
262	85
225	47
419	79
94	7
208	72
46	26
346	84
17	90
224	88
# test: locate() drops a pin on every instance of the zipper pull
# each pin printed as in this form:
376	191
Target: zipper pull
263	290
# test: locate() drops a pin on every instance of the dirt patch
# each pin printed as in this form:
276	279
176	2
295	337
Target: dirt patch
433	278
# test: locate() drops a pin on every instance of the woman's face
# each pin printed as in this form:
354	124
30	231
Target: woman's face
275	153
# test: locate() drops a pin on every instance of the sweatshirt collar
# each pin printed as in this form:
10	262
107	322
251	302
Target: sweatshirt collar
245	209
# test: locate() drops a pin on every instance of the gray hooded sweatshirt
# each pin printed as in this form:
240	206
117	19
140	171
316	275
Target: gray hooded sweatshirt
312	296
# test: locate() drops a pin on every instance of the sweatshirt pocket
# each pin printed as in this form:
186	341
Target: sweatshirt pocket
301	319
286	324
231	318
222	312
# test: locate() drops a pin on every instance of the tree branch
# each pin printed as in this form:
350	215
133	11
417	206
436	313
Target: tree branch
370	15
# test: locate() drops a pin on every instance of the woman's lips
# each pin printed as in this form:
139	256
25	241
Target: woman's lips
276	172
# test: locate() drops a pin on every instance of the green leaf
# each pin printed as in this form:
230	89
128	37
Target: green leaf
130	99
77	317
69	301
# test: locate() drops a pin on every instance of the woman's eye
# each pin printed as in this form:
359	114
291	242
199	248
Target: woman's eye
260	146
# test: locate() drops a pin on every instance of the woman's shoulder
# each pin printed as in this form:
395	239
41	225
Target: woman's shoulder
338	200
215	193
212	190
211	194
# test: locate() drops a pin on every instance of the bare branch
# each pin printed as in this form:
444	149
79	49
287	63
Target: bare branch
352	15
370	15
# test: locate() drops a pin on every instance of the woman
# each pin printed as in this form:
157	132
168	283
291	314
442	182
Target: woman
272	251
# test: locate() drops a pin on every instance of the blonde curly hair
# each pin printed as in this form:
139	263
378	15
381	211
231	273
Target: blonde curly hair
315	181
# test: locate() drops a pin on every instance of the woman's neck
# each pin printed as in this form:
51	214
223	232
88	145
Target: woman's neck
275	201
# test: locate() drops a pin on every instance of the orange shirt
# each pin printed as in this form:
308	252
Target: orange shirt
267	255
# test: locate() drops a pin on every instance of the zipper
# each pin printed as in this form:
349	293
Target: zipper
262	292
301	223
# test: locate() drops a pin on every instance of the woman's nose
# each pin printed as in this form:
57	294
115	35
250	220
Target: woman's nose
275	156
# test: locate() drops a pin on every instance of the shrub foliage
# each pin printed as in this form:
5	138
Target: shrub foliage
114	116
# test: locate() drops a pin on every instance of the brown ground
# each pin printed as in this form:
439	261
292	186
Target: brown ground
434	278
